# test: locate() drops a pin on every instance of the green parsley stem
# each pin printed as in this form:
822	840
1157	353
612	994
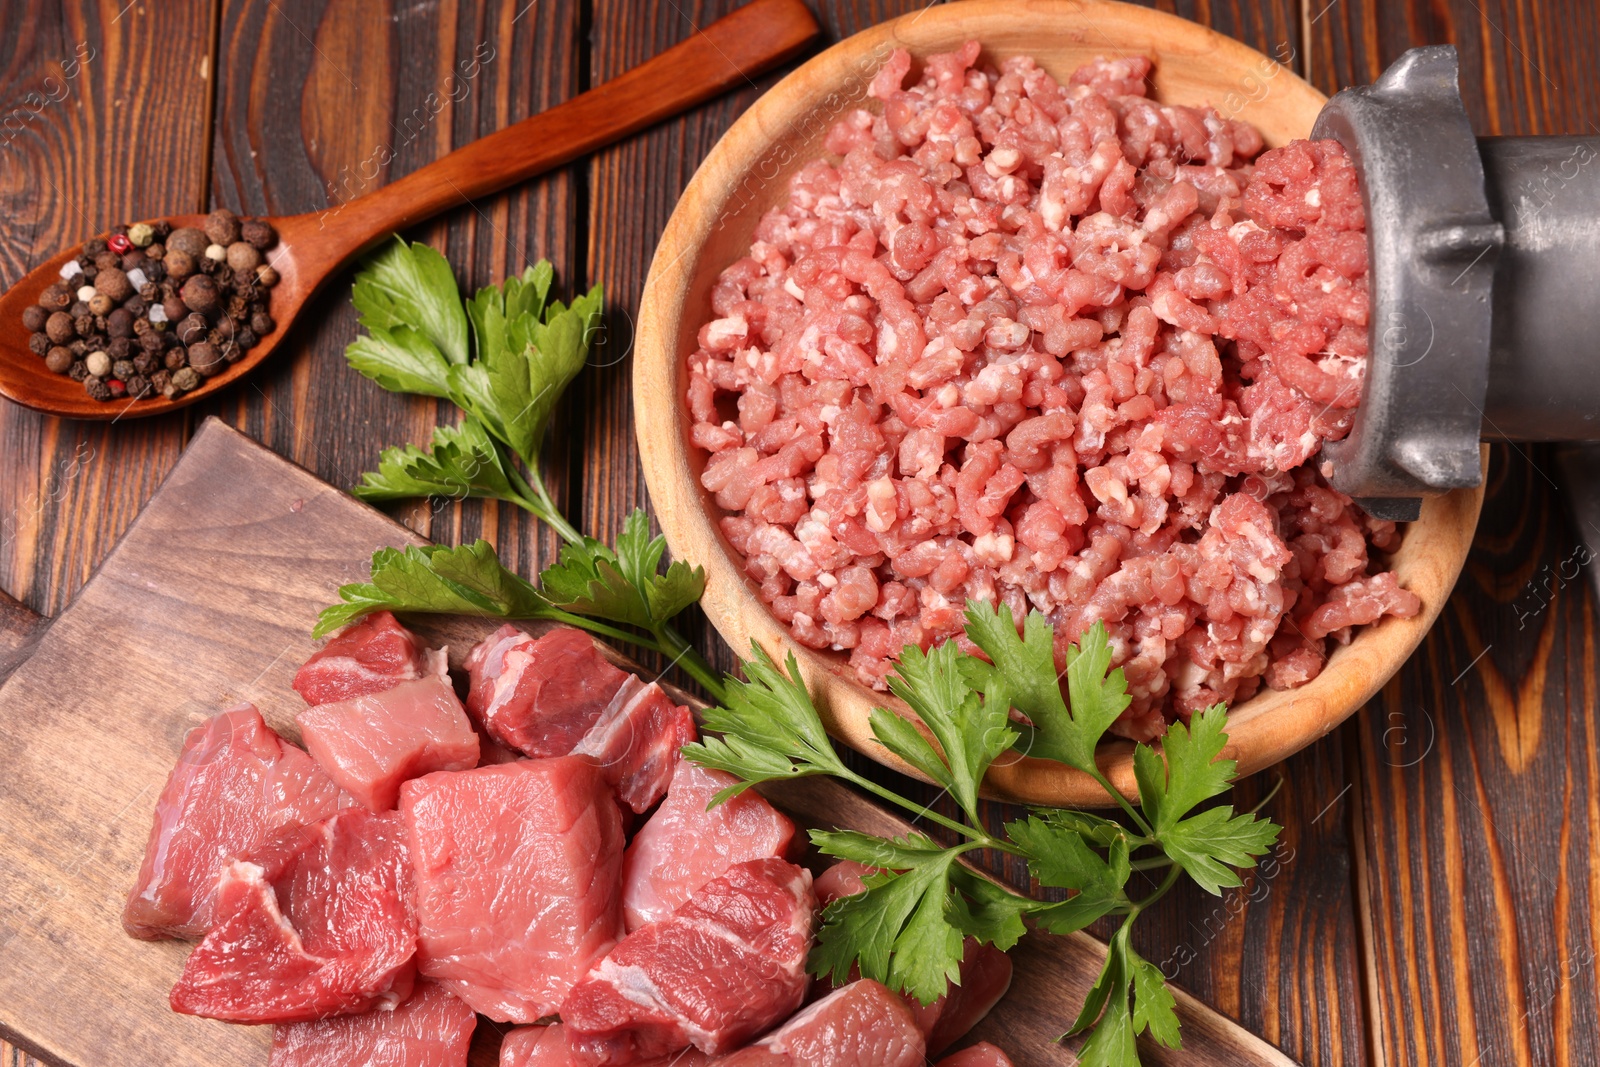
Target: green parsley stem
685	656
1116	794
1166	883
583	622
537	500
1152	864
979	839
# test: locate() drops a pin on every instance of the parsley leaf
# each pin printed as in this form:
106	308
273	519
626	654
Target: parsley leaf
465	580
461	462
1059	856
1153	1003
623	586
987	911
411	287
769	727
970	731
1209	845
1191	771
895	930
401	360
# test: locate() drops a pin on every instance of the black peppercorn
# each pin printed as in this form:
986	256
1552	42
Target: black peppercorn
34	317
79	309
94	246
78	371
39	343
84	324
223	331
150	293
108	261
155	270
245	338
133	260
122	368
156	250
136	307
261	323
152	342
58	327
258	234
97	388
138	387
120	323
160	380
176	357
146	363
119	347
79	348
192	328
160	230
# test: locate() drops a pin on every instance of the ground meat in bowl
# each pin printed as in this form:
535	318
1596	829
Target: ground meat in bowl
1061	346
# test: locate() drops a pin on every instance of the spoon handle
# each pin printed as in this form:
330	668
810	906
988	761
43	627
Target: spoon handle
727	53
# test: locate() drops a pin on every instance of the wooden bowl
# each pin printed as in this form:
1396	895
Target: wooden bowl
747	173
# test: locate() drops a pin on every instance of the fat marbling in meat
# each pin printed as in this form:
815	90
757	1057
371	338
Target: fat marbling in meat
368	656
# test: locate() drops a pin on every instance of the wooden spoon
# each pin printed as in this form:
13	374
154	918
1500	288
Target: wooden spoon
313	247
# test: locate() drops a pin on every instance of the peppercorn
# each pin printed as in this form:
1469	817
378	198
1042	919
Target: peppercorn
267	275
244	338
78	371
175	358
78	309
79	348
135	307
205	358
187	240
97	388
193	328
243	256
114	283
222	331
261	323
118	243
200	293
222	226
119	347
138	387
122	368
152	342
83	324
101	304
58	327
120	323
94	246
39	343
179	264
160	380
156	270
174	308
107	260
34	318
216	253
59	360
99	364
146	363
133	260
258	233
186	379
150	293
140	234
157	250
57	297
162	229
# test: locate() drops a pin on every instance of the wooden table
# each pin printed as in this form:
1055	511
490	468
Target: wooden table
1437	896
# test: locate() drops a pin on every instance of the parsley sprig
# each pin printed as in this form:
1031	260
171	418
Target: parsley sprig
906	929
504	358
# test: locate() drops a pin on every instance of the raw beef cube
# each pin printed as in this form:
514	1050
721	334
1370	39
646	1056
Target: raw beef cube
546	1046
236	785
431	1029
683	845
721	969
636	741
985	971
860	1025
368	656
982	1054
371	743
319	923
519	880
540	696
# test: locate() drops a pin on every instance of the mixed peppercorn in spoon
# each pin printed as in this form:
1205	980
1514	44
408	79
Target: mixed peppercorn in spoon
150	310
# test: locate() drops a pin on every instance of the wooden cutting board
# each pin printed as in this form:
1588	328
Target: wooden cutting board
209	599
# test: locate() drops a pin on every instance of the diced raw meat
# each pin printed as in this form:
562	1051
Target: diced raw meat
431	1029
519	880
985	970
860	1025
546	1046
236	785
684	845
368	656
724	967
982	1054
636	741
318	924
540	696
371	743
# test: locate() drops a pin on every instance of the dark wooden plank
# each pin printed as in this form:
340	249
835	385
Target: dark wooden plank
1477	773
98	124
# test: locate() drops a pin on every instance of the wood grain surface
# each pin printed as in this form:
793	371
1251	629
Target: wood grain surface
1436	899
83	783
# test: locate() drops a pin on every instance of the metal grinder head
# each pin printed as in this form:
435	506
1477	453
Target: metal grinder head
1484	254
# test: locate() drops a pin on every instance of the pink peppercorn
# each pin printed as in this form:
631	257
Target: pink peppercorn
119	243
